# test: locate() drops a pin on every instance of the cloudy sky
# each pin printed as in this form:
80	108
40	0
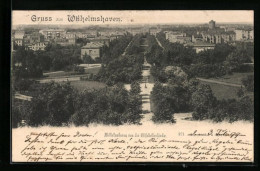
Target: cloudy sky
138	17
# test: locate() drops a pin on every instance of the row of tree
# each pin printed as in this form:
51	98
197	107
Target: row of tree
123	68
60	104
115	48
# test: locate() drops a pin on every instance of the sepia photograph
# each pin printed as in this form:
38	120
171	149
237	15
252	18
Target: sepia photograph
132	86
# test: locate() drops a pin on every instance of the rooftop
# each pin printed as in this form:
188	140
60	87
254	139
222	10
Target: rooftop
200	44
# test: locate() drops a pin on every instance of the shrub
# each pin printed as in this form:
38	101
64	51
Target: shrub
208	70
248	82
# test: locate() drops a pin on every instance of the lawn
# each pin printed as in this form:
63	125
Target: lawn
92	70
235	78
62	74
225	92
69	73
82	85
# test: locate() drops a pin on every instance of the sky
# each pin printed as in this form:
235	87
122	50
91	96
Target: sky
137	17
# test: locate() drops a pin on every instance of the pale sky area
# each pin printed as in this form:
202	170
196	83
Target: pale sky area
139	17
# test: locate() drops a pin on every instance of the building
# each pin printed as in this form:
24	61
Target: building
218	36
244	34
70	35
251	34
37	46
200	46
196	37
93	49
18	37
79	35
102	39
212	24
71	38
33	38
104	33
174	37
89	33
116	34
53	34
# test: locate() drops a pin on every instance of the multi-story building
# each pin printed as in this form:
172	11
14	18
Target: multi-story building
93	49
218	37
53	34
71	38
37	46
34	37
244	34
89	34
174	37
18	37
70	35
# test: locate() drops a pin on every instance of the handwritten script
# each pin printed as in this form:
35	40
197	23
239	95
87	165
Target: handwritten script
218	145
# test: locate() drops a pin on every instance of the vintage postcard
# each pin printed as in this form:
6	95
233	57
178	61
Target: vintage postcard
132	86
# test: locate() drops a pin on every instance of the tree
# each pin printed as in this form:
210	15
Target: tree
202	100
236	59
163	104
52	105
22	84
135	88
87	59
26	64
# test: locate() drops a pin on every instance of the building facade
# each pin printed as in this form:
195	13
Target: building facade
33	38
93	49
53	34
175	37
18	37
243	34
37	46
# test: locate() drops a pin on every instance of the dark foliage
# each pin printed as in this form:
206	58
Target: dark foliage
248	82
59	104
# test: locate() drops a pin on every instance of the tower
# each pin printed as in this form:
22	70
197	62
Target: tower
212	24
